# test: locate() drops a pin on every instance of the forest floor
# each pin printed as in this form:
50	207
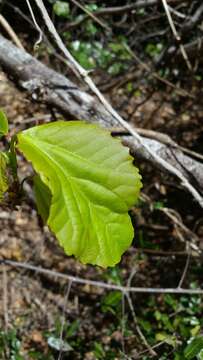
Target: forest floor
45	317
98	323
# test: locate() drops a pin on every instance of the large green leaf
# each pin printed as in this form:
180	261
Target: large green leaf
3	174
93	184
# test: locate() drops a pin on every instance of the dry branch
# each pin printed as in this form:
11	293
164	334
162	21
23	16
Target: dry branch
100	284
47	86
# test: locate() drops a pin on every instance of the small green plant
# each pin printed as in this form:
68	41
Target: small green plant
112	56
85	183
10	345
177	324
61	8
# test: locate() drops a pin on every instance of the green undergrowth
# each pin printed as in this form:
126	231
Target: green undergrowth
171	323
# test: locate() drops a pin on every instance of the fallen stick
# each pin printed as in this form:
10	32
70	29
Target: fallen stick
79	280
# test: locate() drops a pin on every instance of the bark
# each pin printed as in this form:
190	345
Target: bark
48	86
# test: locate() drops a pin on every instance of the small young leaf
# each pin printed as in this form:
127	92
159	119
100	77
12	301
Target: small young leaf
93	184
3	176
194	348
61	8
3	123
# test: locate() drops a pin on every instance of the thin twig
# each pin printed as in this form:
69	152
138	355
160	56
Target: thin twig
99	284
139	331
178	225
5	298
123	323
171	214
4	23
176	35
139	4
138	356
90	14
177	13
185	269
110	11
63	318
36	25
155	75
160	253
194	19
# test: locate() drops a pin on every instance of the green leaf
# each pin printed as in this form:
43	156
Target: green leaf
3	123
111	301
93	184
194	348
200	355
99	351
168	339
3	174
42	197
73	328
61	8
